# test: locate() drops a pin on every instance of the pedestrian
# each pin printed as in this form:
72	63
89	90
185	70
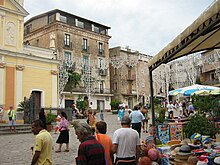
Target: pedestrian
126	144
64	133
92	121
102	115
42	150
101	137
90	151
42	117
74	110
57	127
11	118
121	112
144	111
191	108
170	108
136	119
1	113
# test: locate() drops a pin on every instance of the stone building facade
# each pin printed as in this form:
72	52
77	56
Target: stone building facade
210	67
81	43
129	76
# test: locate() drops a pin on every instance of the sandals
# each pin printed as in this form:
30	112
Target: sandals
66	150
57	151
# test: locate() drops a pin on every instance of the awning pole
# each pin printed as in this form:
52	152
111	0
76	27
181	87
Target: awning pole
152	98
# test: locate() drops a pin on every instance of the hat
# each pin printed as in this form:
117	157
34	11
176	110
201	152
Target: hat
125	120
149	139
174	151
184	150
192	160
145	160
217	160
201	163
153	154
154	163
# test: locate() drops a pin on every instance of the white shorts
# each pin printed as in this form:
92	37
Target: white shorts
11	122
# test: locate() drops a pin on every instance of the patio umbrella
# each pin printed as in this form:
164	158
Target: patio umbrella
189	90
201	92
215	92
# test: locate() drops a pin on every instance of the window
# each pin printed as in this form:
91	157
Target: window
28	29
37	42
102	87
67	56
67	40
51	19
101	51
212	76
63	19
101	63
115	86
80	24
85	63
85	44
96	29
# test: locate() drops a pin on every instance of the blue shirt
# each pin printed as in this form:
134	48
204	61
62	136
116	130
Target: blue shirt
136	117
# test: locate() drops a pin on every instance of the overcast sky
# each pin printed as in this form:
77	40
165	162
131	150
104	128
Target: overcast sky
144	25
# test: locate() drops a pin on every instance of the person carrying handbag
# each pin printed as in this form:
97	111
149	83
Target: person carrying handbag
11	118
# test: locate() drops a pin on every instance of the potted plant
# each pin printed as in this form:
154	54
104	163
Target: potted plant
50	118
114	105
20	110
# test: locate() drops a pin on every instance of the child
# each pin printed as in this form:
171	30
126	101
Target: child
58	119
102	115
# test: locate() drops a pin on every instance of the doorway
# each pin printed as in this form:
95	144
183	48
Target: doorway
100	105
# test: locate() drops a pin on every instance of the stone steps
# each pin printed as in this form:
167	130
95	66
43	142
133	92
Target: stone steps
20	129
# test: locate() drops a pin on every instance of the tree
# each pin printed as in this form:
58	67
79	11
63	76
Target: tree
73	81
207	105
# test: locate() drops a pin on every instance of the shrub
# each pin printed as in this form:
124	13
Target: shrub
114	103
198	123
50	118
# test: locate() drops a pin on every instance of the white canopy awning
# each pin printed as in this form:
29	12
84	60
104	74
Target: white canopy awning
202	34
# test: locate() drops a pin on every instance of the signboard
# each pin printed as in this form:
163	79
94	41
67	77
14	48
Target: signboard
163	133
176	131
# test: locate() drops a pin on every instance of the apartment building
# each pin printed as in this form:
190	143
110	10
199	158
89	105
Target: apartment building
80	43
129	76
210	67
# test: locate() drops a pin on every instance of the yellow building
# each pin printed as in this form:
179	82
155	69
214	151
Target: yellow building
24	70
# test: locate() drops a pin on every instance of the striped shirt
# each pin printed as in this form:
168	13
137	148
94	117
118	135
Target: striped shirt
91	152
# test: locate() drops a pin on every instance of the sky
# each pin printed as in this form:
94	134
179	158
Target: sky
144	25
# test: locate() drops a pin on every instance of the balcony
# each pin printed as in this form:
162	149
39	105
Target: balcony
85	48
101	52
102	72
68	45
131	77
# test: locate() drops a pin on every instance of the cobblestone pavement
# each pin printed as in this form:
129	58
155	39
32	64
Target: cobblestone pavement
15	149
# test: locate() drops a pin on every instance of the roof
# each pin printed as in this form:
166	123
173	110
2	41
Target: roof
60	11
202	34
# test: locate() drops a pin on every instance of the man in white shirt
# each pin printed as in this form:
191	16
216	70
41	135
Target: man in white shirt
126	143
